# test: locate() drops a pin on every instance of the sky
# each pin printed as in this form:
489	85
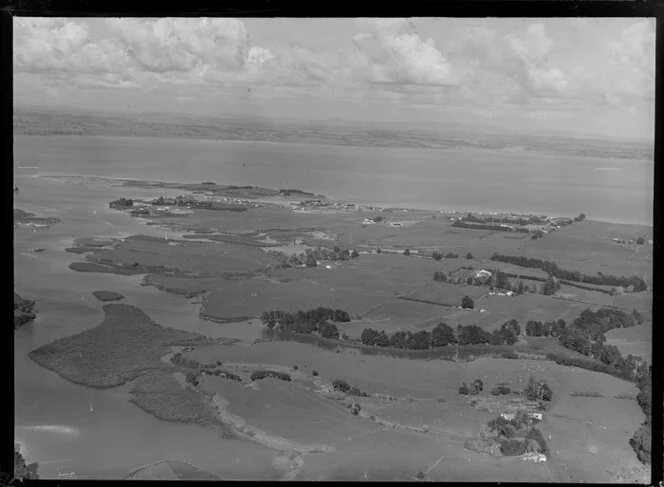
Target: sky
586	76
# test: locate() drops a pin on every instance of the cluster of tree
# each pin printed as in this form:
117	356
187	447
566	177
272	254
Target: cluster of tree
440	276
589	364
552	268
531	220
262	374
121	203
23	471
441	336
593	325
481	226
467	302
310	257
475	388
517	435
343	386
378	219
550	287
298	192
436	255
502	389
537	390
548	328
586	335
472	335
580	218
312	321
642	439
532	442
640	241
406	252
469	256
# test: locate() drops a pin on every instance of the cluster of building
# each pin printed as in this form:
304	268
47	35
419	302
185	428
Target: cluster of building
513	223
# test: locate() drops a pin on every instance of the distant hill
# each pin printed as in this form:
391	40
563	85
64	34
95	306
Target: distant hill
331	132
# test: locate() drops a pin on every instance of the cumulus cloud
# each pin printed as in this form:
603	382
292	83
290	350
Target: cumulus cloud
515	68
62	48
633	53
144	52
390	51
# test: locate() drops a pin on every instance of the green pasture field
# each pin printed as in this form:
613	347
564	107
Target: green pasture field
288	410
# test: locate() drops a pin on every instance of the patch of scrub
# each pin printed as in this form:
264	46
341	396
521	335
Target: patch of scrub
125	345
159	393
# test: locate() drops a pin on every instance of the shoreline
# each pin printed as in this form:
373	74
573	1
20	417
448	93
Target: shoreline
378	205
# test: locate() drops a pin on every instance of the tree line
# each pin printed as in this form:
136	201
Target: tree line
441	336
552	269
499	280
310	257
312	321
586	335
642	439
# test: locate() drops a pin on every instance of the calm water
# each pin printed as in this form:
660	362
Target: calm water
603	189
92	432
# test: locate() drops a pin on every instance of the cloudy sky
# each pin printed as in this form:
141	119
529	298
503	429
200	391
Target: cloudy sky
593	76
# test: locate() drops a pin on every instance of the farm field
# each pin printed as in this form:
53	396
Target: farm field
289	411
452	419
405	414
636	340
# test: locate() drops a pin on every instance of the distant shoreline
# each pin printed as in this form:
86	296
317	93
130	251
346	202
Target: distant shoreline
378	205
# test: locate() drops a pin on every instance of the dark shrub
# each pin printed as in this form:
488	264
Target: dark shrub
512	447
436	255
442	335
341	316
502	426
467	302
469	256
463	389
537	391
219	362
641	443
262	374
341	385
439	276
406	252
501	389
354	254
478	385
510	355
314	373
354	391
369	336
640	241
535	434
